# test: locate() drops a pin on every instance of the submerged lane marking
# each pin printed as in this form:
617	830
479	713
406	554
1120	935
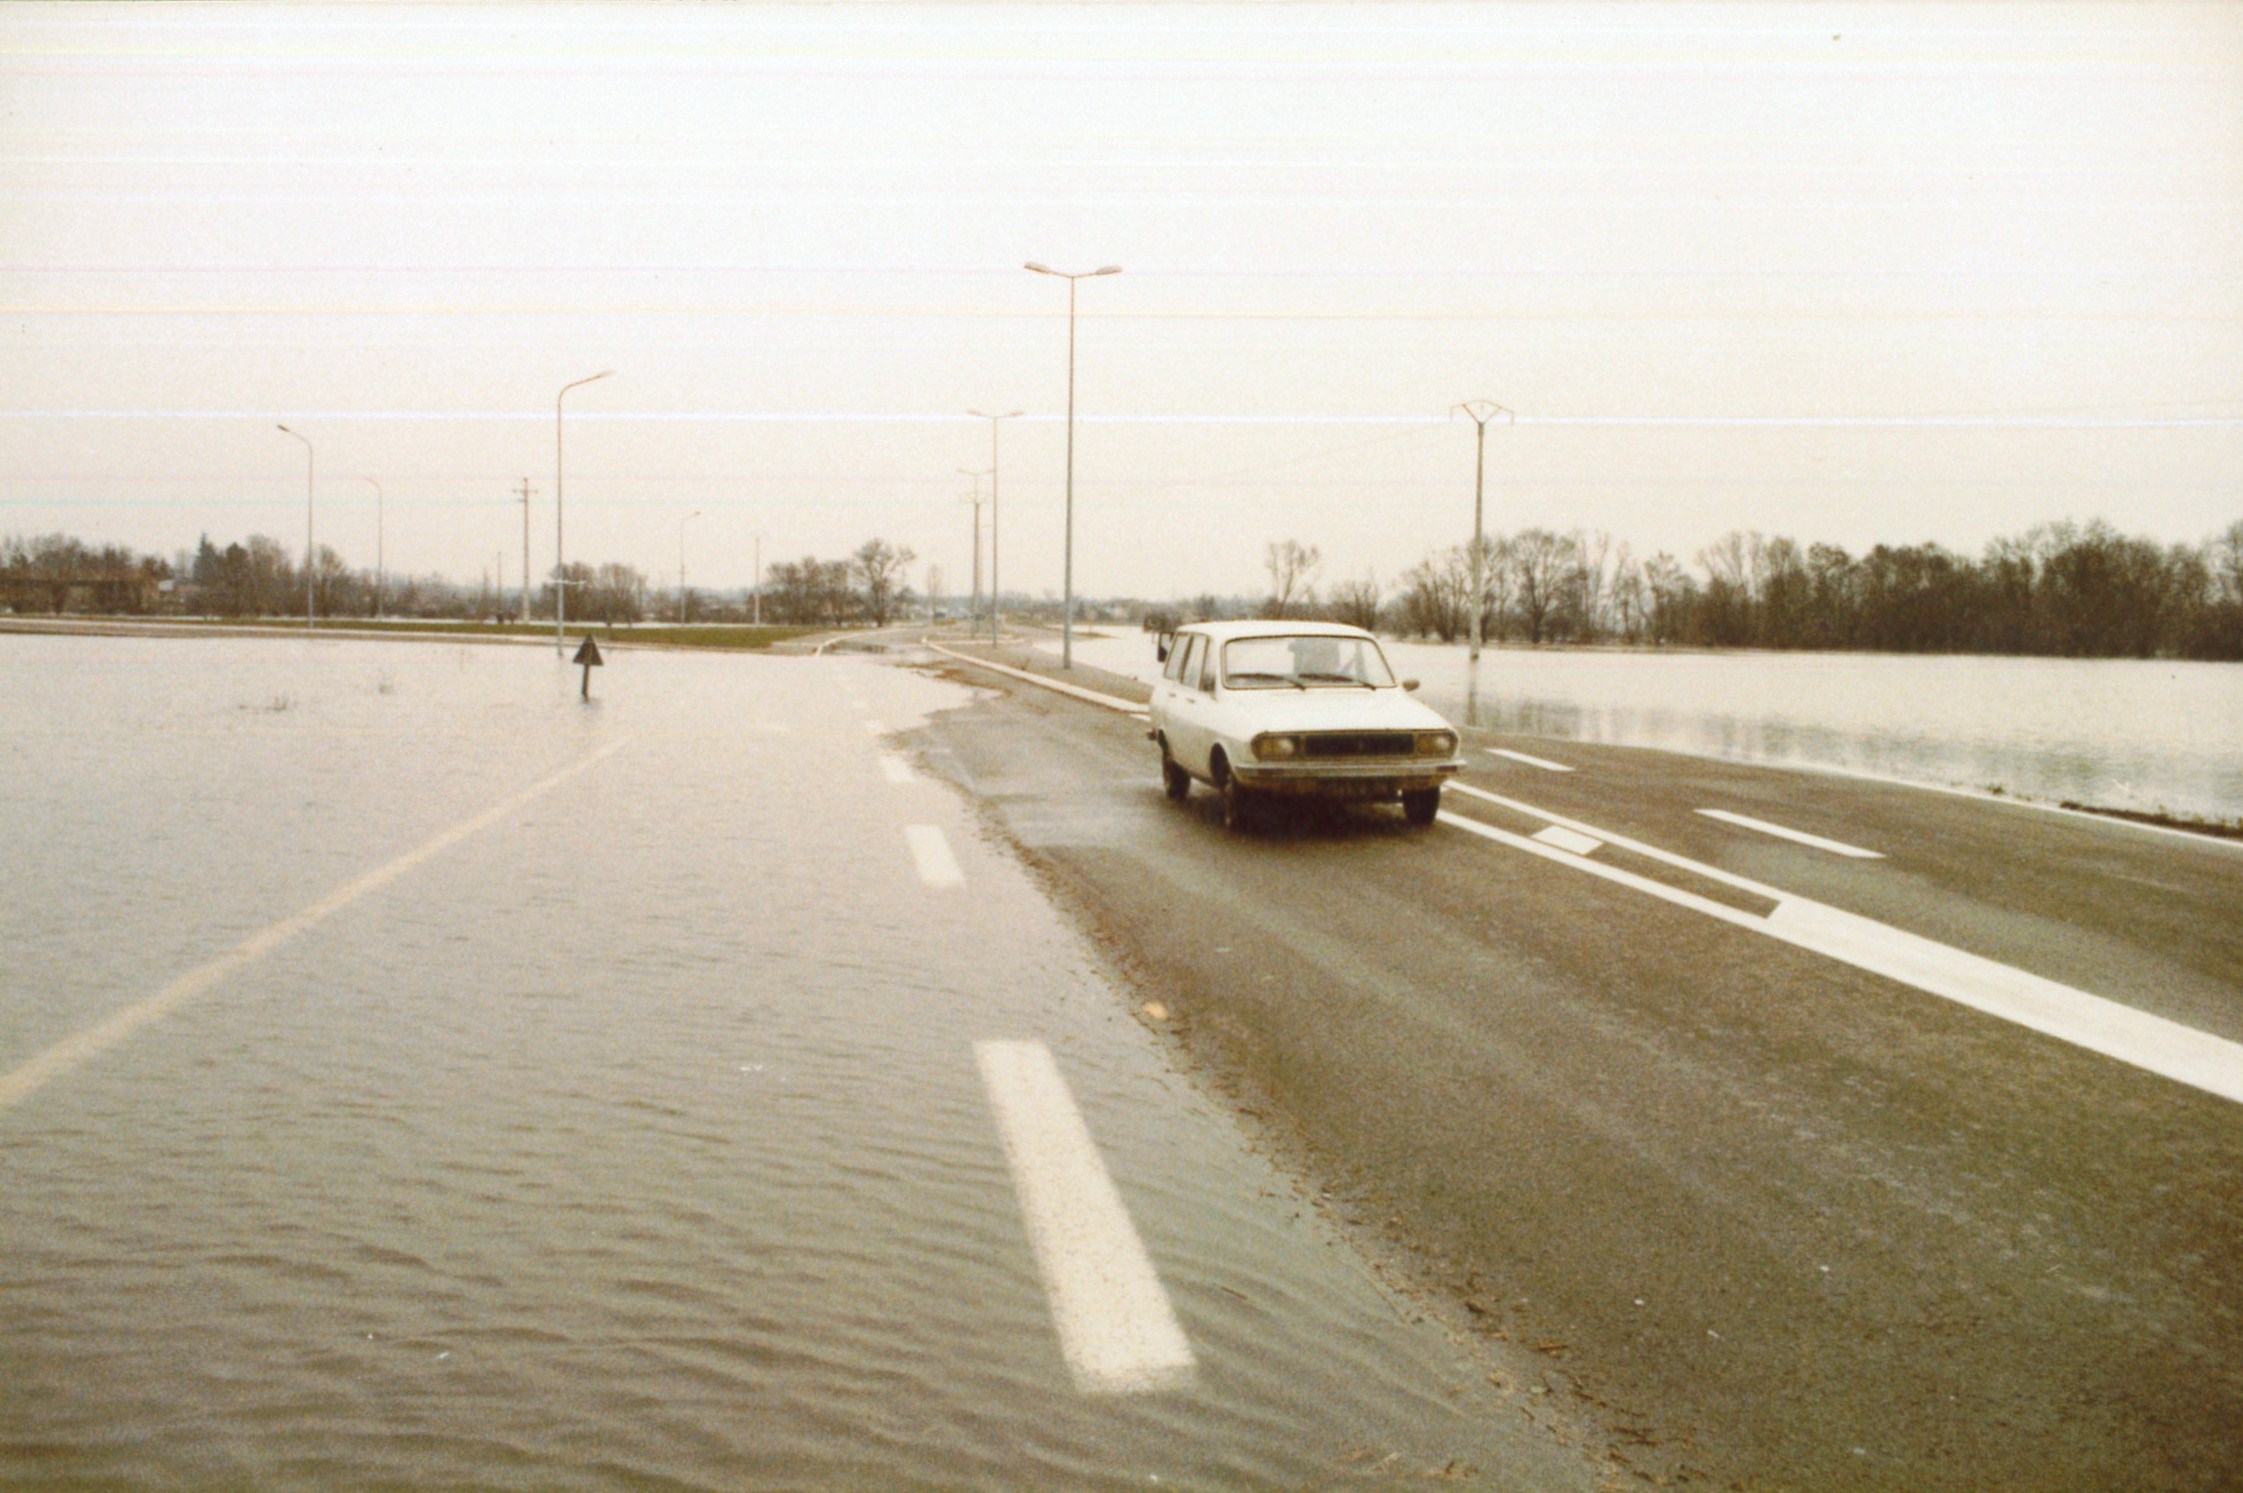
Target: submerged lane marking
1568	839
1781	832
1116	1328
1546	766
937	866
2138	1038
894	768
90	1042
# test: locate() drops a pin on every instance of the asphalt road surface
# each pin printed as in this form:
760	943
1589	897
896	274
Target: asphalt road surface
1760	1147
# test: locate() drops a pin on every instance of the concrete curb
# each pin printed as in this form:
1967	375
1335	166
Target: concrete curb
1110	702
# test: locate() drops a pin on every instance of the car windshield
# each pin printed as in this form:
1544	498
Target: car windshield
1304	661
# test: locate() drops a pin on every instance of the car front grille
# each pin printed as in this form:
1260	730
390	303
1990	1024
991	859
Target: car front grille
1358	744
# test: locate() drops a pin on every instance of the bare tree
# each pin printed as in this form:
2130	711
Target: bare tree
881	568
1292	567
1544	572
1356	602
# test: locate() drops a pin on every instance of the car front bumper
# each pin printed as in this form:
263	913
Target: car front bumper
1346	779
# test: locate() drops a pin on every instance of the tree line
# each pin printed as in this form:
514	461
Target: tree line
2074	590
261	577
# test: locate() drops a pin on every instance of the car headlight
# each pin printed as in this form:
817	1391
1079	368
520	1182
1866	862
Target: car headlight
1277	748
1436	743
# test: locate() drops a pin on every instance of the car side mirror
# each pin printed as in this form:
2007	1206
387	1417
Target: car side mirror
1409	684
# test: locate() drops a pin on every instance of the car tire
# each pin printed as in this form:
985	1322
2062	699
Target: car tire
1420	805
1174	781
1238	806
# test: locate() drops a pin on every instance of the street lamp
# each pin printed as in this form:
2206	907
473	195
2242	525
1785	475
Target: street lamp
759	580
993	419
689	518
310	611
976	501
1067	615
560	582
1481	411
377	543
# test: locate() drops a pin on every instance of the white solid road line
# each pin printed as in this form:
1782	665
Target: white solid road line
1568	839
1116	1328
1762	826
937	866
2152	1043
90	1042
894	768
1546	766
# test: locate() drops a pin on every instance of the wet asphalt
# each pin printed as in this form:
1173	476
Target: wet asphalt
1760	1217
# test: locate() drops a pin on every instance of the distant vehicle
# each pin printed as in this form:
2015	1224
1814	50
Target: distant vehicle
1295	709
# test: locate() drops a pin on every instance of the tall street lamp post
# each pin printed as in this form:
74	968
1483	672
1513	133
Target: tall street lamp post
1067	615
310	569
759	580
378	571
993	419
1481	411
560	581
689	518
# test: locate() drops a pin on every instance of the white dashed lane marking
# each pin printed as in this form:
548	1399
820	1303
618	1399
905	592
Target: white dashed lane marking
1800	836
937	866
1116	1328
1567	839
1544	764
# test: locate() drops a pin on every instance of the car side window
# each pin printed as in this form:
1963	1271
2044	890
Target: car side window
1187	653
1206	661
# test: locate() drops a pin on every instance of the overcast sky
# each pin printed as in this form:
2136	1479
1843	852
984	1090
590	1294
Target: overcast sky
1854	273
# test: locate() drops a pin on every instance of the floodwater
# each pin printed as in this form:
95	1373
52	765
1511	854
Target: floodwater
628	1136
2116	733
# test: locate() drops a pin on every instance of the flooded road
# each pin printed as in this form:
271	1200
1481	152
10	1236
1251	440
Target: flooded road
500	1090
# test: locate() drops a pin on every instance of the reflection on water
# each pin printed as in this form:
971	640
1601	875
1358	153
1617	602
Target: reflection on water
2122	733
635	1140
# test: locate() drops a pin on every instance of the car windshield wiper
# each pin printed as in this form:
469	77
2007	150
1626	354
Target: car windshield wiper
1342	679
1258	674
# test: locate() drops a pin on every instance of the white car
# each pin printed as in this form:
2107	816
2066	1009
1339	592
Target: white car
1295	708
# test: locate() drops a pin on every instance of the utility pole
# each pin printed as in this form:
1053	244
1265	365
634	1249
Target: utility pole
1481	411
759	580
993	573
974	608
380	573
525	490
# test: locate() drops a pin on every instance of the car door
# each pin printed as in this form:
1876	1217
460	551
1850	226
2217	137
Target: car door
1184	715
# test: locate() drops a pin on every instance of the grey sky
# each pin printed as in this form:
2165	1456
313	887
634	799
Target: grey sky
1855	273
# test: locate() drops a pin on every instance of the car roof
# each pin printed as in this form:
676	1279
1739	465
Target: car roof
1223	632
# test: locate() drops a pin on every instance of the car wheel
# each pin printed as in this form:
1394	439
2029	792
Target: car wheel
1238	806
1419	805
1176	782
